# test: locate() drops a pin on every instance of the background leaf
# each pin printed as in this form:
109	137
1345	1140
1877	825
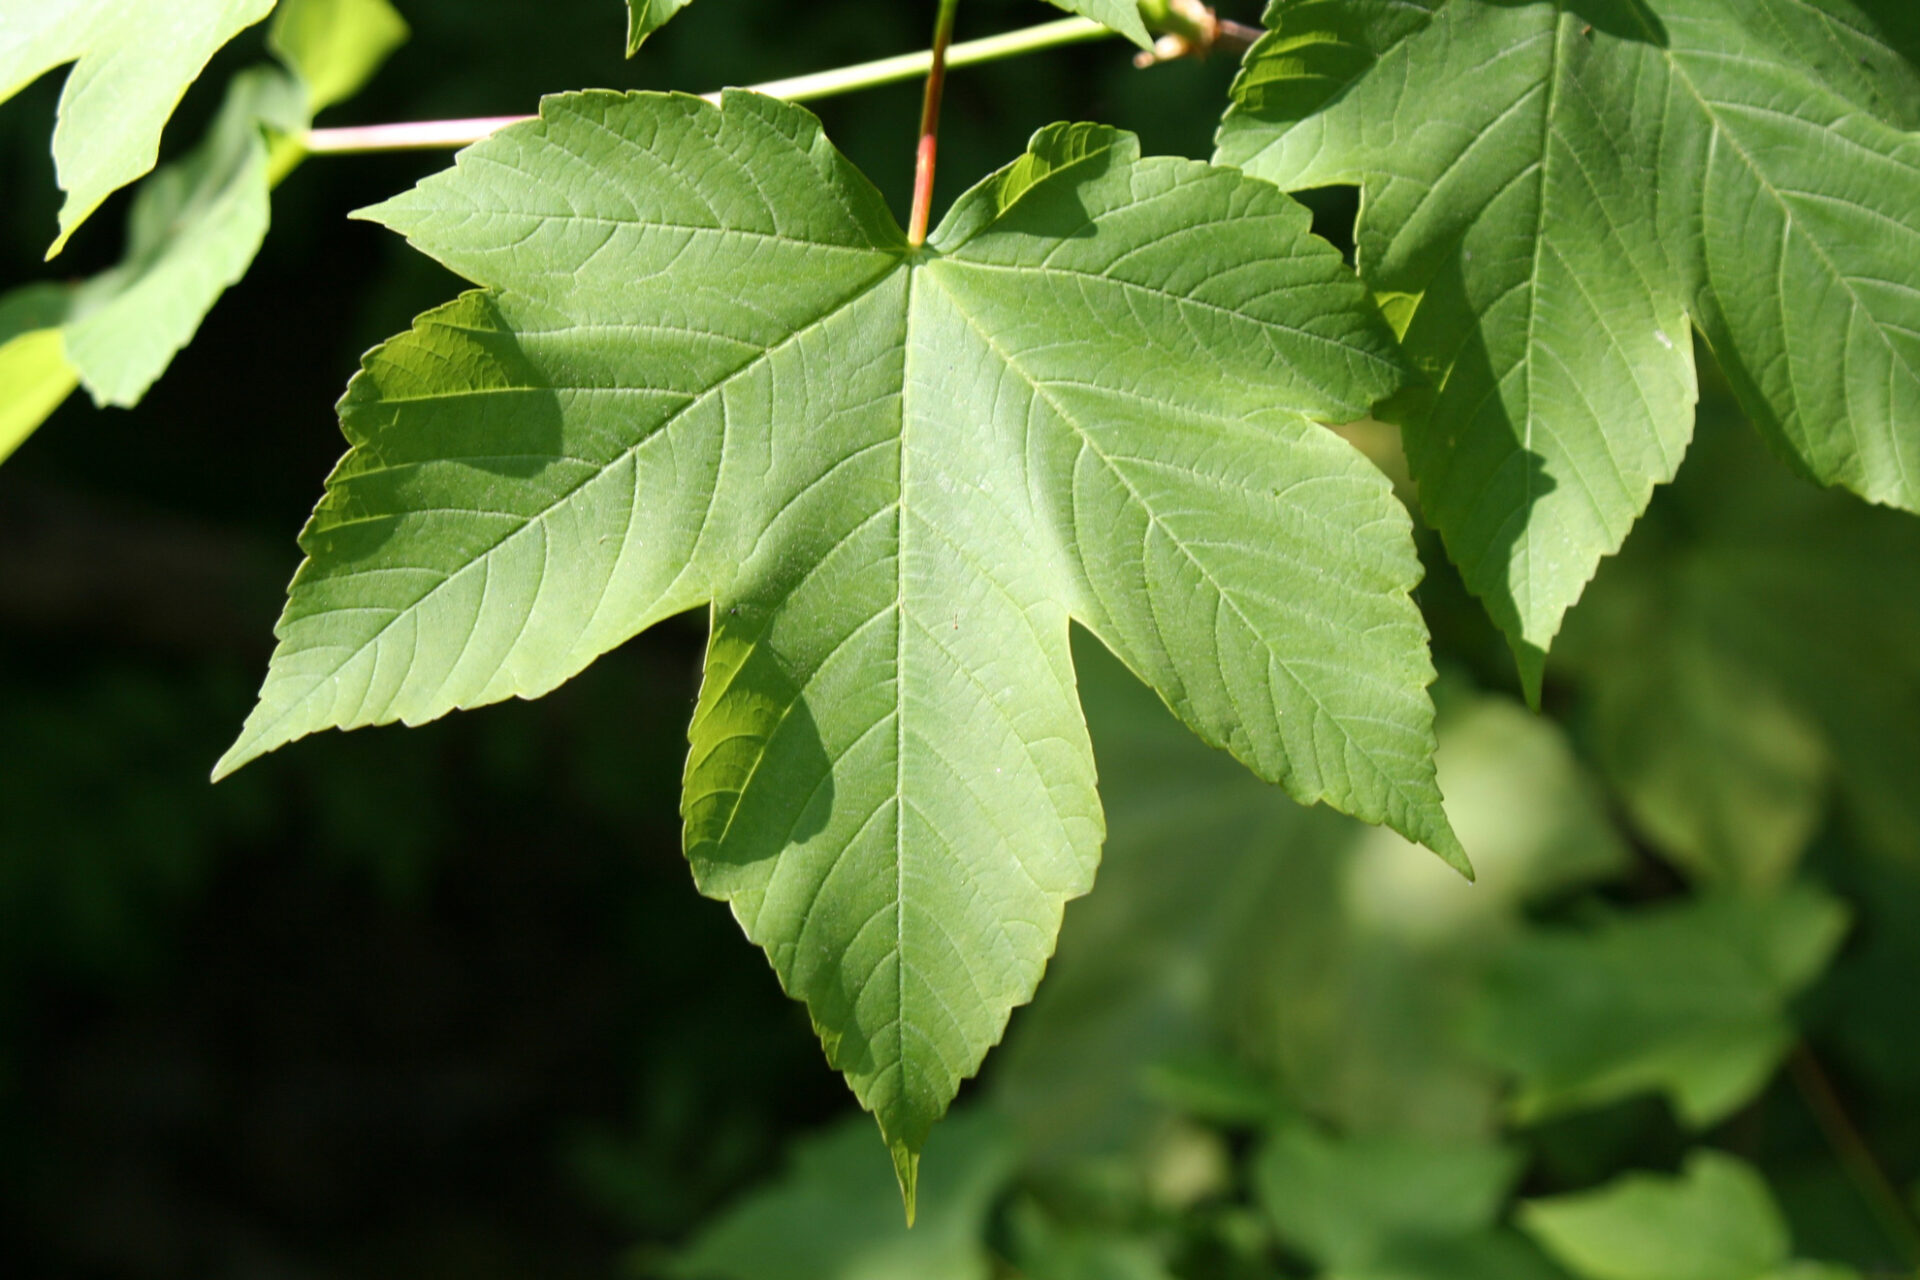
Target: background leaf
33	360
1576	186
832	1214
1715	1221
1689	999
1350	1203
196	225
134	64
644	17
334	46
1237	941
1726	661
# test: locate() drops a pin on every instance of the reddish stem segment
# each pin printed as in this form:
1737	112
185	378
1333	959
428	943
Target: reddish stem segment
930	127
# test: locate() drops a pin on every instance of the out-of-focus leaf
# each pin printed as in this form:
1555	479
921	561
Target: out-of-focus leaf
1719	770
644	17
35	375
193	231
1218	1089
1230	921
194	226
1752	646
1044	1249
134	63
835	1213
1350	1203
1491	1254
1689	1000
1517	793
1198	859
1715	1221
334	46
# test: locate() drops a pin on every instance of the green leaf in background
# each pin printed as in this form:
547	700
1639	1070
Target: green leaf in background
1689	999
193	231
708	369
1223	910
1749	652
133	65
334	46
1715	1221
34	369
644	17
1556	194
194	226
1349	1203
1043	1248
1720	772
833	1214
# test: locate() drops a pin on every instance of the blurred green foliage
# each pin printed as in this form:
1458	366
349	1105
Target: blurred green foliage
444	1001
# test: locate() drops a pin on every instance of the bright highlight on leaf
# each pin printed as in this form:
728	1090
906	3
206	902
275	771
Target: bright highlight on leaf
707	369
33	361
1556	195
335	46
133	64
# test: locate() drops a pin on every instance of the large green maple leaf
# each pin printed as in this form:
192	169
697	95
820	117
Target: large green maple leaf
707	368
1556	193
135	62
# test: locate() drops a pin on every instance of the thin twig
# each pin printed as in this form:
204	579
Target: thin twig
431	135
440	134
1855	1156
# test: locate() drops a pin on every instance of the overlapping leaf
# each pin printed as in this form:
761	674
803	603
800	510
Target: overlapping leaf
1328	951
1716	1220
193	229
133	64
1690	999
828	1216
1121	15
1556	192
644	17
1750	653
335	46
33	361
707	368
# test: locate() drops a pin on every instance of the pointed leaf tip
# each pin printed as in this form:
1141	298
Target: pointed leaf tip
1448	846
1532	663
906	1168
